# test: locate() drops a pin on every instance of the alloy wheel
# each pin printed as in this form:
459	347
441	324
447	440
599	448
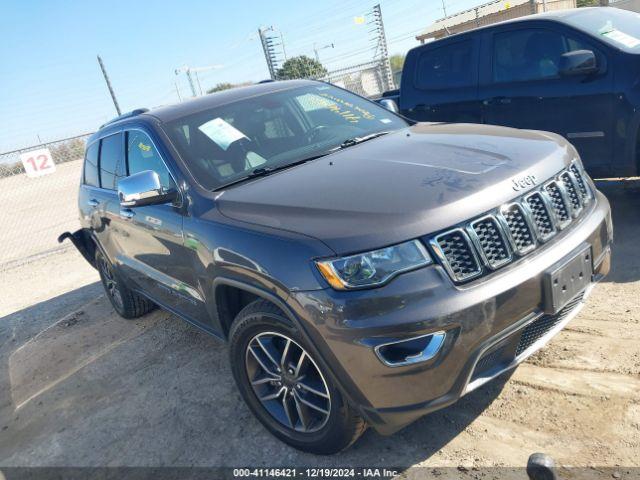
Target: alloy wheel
110	282
287	382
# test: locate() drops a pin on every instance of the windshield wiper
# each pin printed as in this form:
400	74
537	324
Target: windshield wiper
264	171
350	142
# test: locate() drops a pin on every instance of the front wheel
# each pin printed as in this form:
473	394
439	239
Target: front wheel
284	385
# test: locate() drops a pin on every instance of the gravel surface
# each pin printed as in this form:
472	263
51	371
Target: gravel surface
81	387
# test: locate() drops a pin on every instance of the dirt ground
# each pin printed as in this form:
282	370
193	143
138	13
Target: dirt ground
81	387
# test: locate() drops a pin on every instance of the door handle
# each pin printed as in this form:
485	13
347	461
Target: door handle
93	202
127	214
497	101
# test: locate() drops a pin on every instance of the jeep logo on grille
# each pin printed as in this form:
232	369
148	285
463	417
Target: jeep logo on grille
523	182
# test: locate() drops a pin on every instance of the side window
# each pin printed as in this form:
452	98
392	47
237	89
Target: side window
447	66
530	54
142	155
91	165
111	161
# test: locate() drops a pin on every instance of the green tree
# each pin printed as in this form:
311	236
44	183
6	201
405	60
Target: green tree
396	61
221	86
226	86
301	67
587	3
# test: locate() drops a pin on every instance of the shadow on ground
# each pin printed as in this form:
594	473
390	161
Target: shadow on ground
624	196
156	391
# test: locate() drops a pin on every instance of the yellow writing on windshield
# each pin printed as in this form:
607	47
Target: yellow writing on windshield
350	112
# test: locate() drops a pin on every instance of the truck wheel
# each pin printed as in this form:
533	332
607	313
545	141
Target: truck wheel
285	387
127	303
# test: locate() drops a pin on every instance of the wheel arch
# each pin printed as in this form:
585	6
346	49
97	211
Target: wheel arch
233	295
293	318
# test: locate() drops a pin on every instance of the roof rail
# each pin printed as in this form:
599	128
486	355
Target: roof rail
130	114
268	80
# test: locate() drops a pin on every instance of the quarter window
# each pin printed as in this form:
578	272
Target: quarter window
530	54
447	66
142	155
111	161
91	165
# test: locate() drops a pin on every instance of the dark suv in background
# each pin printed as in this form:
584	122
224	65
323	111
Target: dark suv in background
365	270
573	72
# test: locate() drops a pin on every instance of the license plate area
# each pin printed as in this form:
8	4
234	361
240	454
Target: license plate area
566	279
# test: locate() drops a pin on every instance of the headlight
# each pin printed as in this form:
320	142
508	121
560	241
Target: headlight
373	268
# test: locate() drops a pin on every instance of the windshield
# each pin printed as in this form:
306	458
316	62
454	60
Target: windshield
225	144
614	26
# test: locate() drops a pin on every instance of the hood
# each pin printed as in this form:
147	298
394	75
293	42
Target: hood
400	186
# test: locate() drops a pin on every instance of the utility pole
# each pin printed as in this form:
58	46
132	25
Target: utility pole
106	79
444	9
189	71
315	50
382	48
270	49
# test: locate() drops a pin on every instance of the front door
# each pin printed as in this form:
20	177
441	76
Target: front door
445	87
521	87
152	253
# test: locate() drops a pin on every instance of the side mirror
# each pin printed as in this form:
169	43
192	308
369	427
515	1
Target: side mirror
578	62
143	188
389	105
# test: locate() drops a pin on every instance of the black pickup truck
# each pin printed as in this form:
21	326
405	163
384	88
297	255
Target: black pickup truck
573	72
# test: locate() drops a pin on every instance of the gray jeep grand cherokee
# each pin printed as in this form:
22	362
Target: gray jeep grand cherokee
364	269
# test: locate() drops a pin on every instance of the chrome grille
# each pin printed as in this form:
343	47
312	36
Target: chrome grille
522	235
458	254
582	186
515	229
572	191
491	241
541	216
559	203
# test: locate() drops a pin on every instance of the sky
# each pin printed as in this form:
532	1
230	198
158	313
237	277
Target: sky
51	86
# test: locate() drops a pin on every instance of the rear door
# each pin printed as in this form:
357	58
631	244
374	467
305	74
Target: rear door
521	87
103	167
88	198
444	86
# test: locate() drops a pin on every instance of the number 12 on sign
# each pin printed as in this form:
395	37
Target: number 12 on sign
38	162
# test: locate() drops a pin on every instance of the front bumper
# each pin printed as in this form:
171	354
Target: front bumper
484	323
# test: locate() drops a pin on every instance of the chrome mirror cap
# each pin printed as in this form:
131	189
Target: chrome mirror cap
390	105
141	189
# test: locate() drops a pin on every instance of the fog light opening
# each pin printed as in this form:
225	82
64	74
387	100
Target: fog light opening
410	351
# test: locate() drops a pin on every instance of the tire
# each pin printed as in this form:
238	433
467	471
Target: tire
264	328
125	302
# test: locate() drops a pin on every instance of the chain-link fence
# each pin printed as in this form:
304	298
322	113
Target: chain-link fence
38	198
632	5
367	79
